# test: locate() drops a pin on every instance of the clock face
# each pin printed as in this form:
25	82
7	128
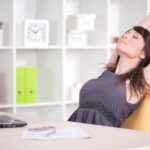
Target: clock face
36	32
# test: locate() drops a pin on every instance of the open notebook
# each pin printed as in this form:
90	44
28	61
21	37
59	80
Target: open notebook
10	122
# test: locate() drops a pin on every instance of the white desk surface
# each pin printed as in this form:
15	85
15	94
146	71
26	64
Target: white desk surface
103	138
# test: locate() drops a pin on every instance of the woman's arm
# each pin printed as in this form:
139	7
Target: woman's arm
144	23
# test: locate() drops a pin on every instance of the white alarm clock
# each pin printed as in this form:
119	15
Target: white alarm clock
36	32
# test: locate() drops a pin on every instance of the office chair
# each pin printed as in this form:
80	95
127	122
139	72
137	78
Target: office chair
140	119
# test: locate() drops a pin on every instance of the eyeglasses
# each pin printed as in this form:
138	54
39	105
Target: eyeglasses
46	130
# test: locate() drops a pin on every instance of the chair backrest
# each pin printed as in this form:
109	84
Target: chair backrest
140	119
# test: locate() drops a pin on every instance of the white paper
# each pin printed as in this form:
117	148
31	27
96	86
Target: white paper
69	133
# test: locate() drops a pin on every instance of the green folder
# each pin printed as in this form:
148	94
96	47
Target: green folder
20	79
31	85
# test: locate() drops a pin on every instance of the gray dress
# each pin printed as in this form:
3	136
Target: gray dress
102	102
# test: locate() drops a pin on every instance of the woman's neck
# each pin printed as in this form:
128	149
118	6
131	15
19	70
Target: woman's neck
125	64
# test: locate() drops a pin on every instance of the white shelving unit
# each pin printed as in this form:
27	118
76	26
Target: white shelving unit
60	65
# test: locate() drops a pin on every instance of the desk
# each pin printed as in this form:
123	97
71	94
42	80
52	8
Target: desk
103	138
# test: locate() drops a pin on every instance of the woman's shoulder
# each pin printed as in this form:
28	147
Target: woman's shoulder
108	74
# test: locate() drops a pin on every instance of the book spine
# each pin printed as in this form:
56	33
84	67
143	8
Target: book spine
20	79
31	84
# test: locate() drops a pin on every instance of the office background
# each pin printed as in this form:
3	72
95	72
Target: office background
50	48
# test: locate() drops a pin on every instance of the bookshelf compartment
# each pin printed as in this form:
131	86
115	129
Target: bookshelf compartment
6	18
86	24
49	69
50	112
6	77
40	10
82	65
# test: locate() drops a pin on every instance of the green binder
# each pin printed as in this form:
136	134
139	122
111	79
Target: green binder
20	79
31	85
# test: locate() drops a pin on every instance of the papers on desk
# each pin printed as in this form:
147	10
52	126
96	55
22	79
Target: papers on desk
69	133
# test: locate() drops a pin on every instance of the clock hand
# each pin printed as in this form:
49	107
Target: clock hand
38	30
32	30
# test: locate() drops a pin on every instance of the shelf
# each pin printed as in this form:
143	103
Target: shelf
50	10
51	112
71	102
6	48
64	46
39	104
96	33
3	106
87	47
38	48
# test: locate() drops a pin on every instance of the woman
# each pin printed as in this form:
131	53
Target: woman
113	96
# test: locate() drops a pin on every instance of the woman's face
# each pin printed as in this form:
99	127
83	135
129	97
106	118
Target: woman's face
131	44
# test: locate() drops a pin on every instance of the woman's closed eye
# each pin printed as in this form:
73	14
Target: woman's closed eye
135	37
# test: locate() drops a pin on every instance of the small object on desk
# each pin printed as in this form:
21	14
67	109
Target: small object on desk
10	122
38	132
52	133
42	129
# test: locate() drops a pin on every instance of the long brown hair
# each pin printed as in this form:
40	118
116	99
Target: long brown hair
138	83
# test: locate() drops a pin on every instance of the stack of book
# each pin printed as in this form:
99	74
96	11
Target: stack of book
26	78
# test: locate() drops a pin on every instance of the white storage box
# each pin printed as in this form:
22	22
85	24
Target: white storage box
81	22
86	22
77	38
